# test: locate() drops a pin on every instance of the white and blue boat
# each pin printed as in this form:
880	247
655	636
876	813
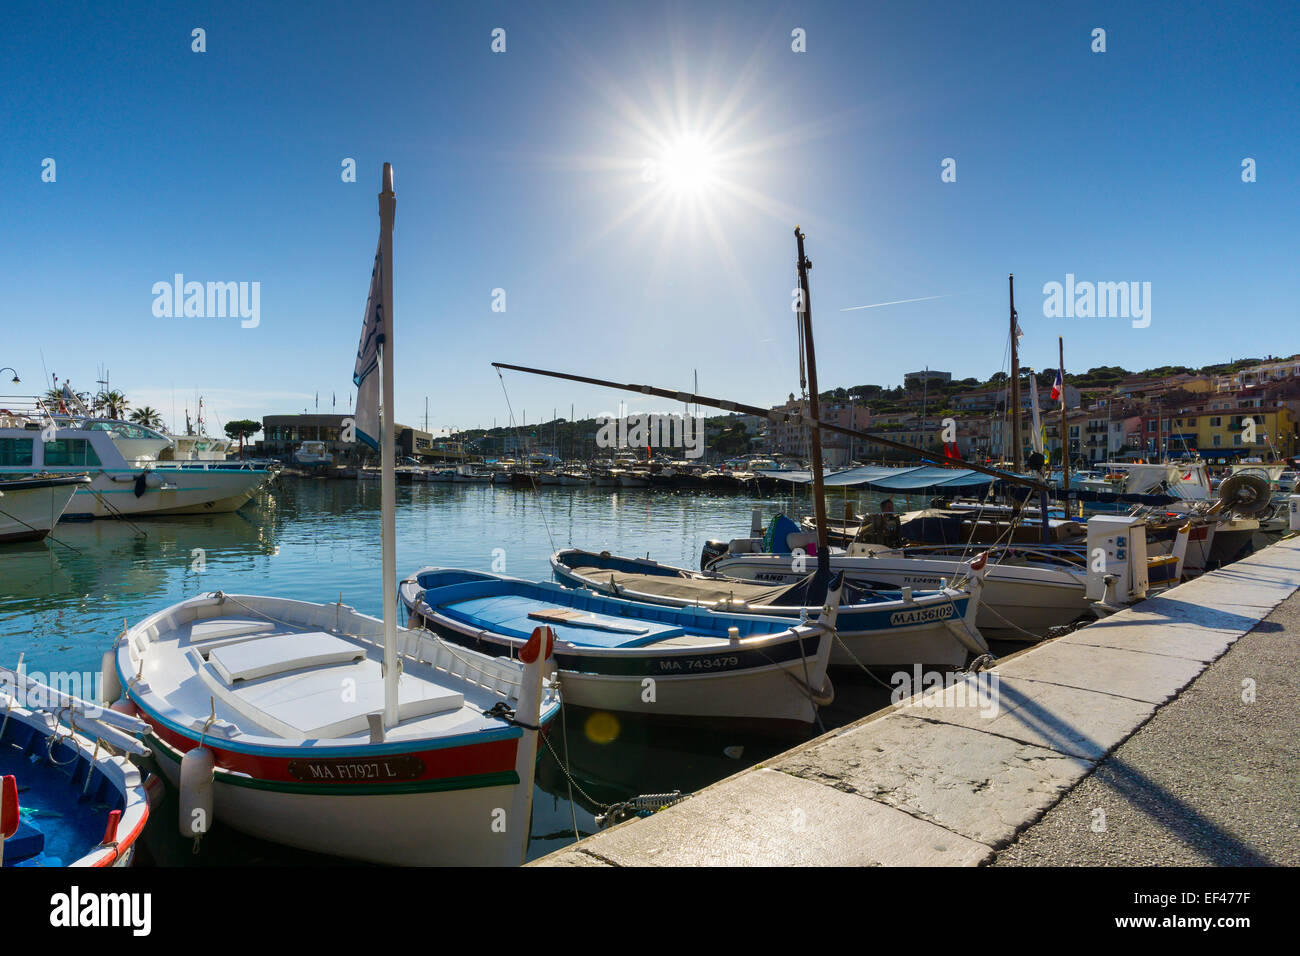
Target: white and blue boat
68	794
874	628
632	657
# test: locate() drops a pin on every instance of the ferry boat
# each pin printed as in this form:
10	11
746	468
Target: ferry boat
126	480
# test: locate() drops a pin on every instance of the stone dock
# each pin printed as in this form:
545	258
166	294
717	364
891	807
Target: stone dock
1165	734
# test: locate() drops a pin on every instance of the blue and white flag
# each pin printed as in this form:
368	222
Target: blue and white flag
374	329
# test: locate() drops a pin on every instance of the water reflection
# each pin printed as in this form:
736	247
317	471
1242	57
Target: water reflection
317	540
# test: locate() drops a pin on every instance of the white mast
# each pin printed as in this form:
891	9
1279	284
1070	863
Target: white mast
388	482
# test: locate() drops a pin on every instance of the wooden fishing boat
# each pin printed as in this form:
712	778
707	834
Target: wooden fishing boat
321	728
631	657
266	714
69	796
880	629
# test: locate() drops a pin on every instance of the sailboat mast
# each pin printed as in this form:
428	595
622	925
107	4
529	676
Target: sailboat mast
1017	462
387	452
814	409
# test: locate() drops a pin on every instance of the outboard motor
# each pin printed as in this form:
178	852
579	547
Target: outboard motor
713	550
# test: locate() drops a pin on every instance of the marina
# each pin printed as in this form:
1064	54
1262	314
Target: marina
426	733
762	447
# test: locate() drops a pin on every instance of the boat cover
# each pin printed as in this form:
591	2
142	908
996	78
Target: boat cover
919	478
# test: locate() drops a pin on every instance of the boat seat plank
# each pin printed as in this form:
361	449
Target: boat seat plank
579	619
512	615
304	702
250	660
224	627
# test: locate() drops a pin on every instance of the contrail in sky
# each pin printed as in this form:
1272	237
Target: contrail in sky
924	298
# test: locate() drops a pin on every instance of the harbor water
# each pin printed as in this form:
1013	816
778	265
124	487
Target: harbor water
63	601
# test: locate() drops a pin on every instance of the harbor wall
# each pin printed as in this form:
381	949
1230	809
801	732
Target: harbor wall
939	781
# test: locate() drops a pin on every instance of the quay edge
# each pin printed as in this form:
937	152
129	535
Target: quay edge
921	785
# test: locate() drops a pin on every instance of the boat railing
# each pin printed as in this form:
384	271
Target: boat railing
18	411
1063	554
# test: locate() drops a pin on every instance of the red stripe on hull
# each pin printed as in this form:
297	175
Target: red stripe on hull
497	756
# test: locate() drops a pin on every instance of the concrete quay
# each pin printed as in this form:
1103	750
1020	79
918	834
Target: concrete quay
1144	738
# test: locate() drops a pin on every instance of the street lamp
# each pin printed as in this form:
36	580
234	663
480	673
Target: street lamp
8	369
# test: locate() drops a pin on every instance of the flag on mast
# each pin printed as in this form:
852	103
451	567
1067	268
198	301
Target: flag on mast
1058	387
1039	432
365	375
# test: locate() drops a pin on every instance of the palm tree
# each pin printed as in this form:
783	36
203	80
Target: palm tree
148	417
113	402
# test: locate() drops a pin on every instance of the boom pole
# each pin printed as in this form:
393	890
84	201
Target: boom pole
778	418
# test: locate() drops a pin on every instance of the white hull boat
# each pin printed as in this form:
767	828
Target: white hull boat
1020	600
880	630
120	488
632	658
31	507
242	694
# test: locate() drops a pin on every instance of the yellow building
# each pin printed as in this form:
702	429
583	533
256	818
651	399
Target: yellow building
1224	432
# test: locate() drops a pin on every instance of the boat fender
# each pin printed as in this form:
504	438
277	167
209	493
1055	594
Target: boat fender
141	482
110	687
197	768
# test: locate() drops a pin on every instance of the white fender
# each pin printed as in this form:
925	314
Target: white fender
195	790
110	688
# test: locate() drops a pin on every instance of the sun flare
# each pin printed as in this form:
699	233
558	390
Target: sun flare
689	166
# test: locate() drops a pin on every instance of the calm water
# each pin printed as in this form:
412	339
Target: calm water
63	604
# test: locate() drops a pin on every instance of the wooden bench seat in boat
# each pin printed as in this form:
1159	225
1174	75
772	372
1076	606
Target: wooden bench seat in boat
513	616
699	590
291	685
249	660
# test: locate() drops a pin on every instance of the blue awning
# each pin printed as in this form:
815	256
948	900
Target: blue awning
874	477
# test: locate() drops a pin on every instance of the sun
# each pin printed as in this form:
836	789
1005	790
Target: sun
689	166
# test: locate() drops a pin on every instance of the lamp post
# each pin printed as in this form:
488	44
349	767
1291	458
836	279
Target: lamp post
15	371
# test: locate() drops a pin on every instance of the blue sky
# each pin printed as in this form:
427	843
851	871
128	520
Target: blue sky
524	171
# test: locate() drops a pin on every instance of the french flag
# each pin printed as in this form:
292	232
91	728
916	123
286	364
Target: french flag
1057	386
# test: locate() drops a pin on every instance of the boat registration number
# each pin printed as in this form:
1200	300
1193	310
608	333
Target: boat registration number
672	666
356	771
921	615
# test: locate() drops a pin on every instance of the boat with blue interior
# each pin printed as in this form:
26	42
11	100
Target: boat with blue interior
69	795
879	628
637	658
